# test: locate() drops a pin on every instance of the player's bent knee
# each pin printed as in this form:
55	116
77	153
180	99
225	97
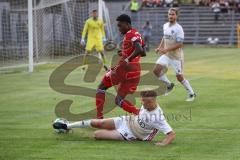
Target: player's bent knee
157	71
180	78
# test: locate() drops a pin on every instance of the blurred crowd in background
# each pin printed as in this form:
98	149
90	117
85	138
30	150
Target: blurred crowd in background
223	6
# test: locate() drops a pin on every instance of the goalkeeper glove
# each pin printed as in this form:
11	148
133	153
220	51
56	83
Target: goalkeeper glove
104	40
82	42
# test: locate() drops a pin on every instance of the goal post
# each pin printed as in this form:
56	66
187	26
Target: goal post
42	31
57	27
238	34
100	9
30	36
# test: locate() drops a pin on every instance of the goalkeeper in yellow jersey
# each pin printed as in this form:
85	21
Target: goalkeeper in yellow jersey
94	29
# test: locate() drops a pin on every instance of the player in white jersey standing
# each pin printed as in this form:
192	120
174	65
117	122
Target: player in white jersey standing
144	126
171	52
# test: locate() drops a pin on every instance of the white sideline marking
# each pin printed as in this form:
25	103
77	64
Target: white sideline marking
22	65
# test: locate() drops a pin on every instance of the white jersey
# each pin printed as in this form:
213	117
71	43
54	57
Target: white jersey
173	34
148	123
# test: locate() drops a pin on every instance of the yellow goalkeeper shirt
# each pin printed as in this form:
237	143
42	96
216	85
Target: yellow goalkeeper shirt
94	29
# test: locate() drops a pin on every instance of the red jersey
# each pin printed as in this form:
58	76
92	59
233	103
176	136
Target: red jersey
128	47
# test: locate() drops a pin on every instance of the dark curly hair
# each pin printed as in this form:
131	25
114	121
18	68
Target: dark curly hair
124	18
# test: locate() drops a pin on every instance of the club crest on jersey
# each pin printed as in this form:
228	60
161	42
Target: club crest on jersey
172	31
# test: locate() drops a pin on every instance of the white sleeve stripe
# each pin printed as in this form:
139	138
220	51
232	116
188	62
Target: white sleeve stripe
134	39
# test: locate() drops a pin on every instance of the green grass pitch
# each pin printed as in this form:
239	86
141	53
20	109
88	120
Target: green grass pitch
211	131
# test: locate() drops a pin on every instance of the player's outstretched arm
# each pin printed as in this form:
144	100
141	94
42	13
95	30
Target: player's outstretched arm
161	45
167	140
85	30
138	51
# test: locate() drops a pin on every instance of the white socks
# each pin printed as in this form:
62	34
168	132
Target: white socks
165	80
187	86
80	124
185	83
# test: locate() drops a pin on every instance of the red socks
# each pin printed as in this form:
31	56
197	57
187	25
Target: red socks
127	106
100	100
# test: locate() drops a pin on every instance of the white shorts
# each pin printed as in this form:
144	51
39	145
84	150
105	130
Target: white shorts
123	129
177	65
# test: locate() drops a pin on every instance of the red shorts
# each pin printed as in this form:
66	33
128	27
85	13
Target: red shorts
126	76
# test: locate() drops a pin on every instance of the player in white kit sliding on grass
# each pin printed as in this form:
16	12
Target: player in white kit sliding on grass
144	126
171	52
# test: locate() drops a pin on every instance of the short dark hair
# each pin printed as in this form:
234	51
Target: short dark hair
124	18
148	93
94	10
176	10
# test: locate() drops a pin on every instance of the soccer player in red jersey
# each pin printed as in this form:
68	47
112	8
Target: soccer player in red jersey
126	74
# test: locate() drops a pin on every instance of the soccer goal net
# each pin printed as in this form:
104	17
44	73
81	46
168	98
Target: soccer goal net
56	29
